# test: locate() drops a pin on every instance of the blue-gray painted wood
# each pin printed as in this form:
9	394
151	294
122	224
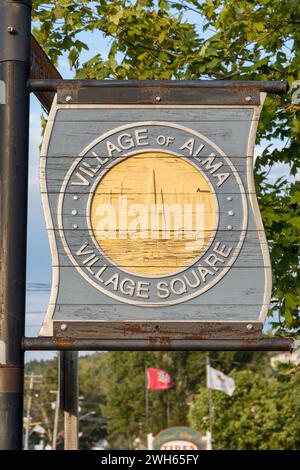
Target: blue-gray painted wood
242	292
222	129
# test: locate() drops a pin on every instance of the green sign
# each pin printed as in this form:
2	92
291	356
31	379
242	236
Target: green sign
179	438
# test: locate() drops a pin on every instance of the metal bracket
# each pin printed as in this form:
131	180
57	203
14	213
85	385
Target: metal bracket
261	344
156	94
167	92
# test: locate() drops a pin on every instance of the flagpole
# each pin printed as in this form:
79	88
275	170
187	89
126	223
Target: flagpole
168	409
210	405
146	400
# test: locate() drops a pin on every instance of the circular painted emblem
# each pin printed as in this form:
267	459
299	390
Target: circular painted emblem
168	210
152	214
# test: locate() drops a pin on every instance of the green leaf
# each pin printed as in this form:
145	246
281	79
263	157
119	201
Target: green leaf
295	221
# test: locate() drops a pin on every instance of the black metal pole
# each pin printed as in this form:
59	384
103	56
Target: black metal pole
15	23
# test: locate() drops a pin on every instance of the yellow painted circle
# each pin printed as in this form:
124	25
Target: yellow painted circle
153	214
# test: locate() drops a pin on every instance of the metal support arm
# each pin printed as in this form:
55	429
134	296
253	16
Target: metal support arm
263	344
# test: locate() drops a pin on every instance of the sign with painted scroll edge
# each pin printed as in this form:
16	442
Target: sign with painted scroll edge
46	330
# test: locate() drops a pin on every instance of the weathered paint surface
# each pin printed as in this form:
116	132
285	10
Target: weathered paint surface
153	222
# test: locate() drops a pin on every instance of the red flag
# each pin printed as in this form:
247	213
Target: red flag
159	379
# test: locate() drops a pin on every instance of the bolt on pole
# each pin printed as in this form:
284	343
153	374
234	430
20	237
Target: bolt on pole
15	24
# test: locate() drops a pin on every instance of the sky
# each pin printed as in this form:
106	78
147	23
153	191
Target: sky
38	252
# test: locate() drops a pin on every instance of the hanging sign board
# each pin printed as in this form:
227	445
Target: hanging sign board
151	212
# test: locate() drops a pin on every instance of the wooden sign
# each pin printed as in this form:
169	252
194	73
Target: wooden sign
152	216
179	438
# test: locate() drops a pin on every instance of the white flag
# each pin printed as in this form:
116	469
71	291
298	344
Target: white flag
219	381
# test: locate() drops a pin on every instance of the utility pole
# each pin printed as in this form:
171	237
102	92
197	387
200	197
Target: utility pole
168	408
56	417
146	399
28	410
32	379
69	392
15	24
210	405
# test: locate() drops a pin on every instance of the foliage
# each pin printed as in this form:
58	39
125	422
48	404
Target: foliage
124	406
125	390
45	386
92	424
261	414
280	207
192	39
